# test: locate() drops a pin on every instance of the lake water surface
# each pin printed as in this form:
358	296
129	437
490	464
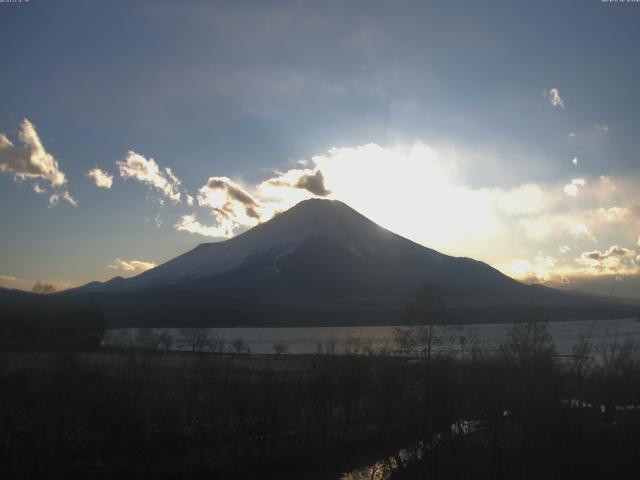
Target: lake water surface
380	339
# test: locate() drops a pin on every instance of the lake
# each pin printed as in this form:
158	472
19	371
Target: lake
300	340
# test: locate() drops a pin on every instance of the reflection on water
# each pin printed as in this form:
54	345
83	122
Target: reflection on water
381	470
454	339
386	467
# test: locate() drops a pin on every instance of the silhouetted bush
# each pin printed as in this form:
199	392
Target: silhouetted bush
30	321
141	411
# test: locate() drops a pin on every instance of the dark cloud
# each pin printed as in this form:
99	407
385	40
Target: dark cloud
614	260
313	183
233	193
613	252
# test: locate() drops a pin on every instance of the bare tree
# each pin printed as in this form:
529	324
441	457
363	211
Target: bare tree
197	338
352	345
239	346
279	347
216	343
528	343
165	339
146	339
45	288
424	312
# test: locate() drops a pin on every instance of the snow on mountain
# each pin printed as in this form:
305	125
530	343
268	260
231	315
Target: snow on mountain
319	263
282	235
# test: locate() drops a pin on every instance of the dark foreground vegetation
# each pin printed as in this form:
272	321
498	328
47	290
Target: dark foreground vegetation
144	412
70	408
35	322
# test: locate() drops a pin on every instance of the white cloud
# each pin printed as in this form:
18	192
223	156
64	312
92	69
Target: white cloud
537	271
579	230
231	204
417	192
101	178
30	161
414	190
9	281
575	160
38	189
189	200
604	129
131	266
188	223
614	214
524	200
573	188
147	171
54	199
615	260
554	97
312	181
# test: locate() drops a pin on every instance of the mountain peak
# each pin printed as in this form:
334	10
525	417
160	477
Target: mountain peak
318	204
316	235
316	218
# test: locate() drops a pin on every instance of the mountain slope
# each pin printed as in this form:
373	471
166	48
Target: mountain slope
319	263
317	248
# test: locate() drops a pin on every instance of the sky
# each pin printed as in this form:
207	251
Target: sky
131	131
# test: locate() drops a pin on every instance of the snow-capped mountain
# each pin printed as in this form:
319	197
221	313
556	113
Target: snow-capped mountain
317	240
319	263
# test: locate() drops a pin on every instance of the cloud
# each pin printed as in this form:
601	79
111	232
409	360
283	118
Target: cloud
101	178
233	193
579	230
235	208
554	97
147	171
537	271
38	189
614	251
419	192
575	160
9	281
309	180
314	183
54	199
604	129
131	266
615	260
231	205
572	188
30	161
524	200
614	214
188	223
